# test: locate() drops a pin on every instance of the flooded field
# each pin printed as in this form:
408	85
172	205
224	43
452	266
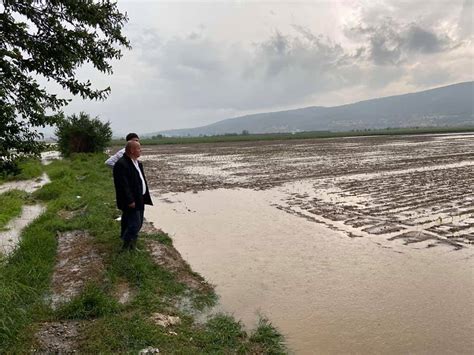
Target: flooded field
348	245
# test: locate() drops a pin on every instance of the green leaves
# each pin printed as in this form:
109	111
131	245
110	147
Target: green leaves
81	134
51	39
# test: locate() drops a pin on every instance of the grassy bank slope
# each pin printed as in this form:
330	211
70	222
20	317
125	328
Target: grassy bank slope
81	198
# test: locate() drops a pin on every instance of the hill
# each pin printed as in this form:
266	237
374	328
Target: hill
445	106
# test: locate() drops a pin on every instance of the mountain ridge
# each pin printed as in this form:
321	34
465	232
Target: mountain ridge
449	105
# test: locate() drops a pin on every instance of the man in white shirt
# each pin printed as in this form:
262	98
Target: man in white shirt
114	158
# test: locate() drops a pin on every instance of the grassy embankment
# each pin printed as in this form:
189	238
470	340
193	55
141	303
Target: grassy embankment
25	280
301	135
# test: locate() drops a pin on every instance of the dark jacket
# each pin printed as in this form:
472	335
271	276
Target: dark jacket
128	185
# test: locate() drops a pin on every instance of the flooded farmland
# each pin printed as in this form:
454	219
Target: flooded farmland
348	245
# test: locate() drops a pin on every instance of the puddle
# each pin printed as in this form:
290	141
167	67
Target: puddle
25	185
326	292
9	238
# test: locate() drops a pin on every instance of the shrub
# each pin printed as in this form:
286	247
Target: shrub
82	134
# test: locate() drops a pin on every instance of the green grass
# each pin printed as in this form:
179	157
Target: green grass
11	203
24	278
300	135
268	338
28	169
93	302
84	184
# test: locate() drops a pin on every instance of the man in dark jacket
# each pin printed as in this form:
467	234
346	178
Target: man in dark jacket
132	193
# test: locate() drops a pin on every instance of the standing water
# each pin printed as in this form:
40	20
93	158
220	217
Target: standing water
350	245
327	293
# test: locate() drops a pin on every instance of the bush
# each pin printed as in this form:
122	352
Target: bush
82	134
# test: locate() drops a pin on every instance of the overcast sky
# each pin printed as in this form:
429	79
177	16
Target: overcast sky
194	63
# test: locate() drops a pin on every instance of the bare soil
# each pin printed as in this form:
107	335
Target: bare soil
60	337
78	262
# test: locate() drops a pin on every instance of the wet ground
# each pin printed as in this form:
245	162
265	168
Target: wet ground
414	188
356	245
25	185
10	235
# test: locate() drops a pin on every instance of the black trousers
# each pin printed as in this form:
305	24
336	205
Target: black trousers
131	223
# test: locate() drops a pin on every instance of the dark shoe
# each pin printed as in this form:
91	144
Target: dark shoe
133	246
125	246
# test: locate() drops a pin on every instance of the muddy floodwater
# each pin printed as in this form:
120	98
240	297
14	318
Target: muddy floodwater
348	245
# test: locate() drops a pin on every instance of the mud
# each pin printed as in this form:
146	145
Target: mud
413	188
123	292
78	262
60	337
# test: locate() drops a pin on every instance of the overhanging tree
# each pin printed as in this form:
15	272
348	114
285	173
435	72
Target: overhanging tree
51	39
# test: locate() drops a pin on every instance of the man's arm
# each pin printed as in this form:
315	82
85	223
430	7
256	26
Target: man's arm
114	158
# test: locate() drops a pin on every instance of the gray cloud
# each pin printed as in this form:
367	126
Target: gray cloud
195	72
184	75
423	41
392	43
